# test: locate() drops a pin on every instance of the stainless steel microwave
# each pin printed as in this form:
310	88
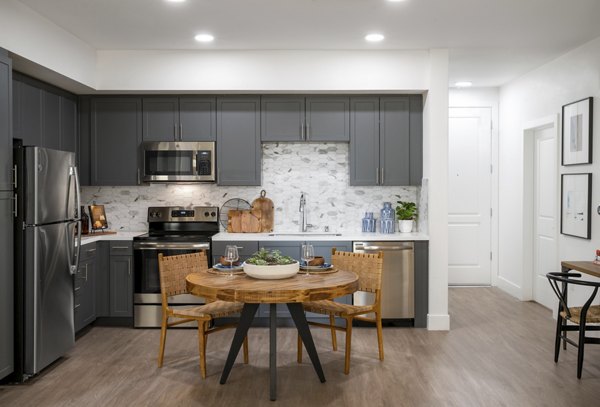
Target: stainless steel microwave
179	161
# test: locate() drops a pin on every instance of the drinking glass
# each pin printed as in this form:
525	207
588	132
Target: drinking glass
231	255
308	254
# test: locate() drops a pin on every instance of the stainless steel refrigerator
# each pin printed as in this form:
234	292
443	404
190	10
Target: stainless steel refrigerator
47	241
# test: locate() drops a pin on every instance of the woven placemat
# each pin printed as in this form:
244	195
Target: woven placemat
223	272
317	271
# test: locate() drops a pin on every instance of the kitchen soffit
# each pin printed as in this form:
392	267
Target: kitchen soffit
490	41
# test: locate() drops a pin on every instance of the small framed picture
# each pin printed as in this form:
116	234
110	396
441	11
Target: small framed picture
98	217
577	132
576	205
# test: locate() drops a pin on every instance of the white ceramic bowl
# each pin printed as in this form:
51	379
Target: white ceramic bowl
272	272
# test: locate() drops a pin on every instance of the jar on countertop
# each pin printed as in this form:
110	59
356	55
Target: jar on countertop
387	221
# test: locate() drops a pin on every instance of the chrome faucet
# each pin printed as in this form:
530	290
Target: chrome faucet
302	209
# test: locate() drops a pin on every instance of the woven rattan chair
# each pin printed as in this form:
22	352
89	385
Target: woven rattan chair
173	270
580	316
369	268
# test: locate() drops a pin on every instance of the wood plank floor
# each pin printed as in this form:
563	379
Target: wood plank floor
498	353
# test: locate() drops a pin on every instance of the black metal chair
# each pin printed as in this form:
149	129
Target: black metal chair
580	316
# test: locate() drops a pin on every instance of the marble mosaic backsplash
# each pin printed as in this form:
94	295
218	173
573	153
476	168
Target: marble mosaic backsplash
320	170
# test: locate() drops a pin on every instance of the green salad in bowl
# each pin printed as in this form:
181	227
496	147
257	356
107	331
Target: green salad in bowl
265	257
269	265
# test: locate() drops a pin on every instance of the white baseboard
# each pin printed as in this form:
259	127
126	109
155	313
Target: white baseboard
509	287
438	322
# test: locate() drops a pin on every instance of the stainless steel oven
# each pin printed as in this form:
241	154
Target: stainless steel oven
179	161
172	231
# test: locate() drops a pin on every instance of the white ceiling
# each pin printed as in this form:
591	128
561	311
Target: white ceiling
490	41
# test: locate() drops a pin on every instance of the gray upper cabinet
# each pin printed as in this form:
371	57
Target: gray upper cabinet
51	120
6	131
394	146
317	118
197	119
179	119
68	124
386	143
30	114
327	119
116	133
238	141
282	119
364	142
161	119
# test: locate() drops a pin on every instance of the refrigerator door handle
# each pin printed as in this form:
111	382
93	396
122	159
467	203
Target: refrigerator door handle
76	247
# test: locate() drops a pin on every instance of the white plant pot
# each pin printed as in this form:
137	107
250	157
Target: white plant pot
272	272
405	226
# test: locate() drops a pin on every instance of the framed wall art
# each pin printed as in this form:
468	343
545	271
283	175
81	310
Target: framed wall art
577	132
576	204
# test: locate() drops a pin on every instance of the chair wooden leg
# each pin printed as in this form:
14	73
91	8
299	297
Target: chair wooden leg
348	344
580	350
163	339
559	324
333	334
379	333
246	349
299	357
202	347
564	322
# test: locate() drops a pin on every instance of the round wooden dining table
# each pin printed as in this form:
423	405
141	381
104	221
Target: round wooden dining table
253	292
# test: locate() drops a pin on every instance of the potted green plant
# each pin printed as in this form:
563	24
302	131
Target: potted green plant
406	212
267	264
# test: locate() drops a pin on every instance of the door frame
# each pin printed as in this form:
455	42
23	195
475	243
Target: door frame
528	272
494	187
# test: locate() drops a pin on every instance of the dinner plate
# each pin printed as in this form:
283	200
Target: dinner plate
226	267
322	267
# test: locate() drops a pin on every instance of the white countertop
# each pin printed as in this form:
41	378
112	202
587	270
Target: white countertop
118	236
353	237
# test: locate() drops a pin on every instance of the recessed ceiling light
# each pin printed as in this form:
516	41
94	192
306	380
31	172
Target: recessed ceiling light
374	37
204	38
463	84
176	1
396	1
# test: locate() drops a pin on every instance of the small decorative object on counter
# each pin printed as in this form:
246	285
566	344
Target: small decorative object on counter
388	219
597	261
85	221
406	213
368	223
98	217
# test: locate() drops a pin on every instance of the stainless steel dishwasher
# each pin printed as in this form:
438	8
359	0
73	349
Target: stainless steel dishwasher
397	286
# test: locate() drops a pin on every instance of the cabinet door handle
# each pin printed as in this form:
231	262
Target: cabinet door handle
15	176
175	132
91	250
120	247
307	132
301	130
382	176
377	176
77	306
138	176
180	132
240	247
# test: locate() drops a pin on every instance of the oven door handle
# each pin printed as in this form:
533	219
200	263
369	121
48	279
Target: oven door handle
177	246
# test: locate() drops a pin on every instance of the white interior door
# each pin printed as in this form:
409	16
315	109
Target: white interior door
469	200
545	257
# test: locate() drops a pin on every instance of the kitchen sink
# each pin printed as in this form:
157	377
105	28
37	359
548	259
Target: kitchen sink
305	234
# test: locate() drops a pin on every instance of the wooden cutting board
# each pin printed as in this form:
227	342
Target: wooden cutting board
265	205
244	221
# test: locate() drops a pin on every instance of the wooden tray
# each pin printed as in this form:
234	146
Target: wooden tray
265	205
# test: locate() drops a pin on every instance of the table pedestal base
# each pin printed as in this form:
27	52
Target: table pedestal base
241	331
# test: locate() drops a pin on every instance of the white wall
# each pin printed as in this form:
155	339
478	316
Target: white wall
33	37
262	71
542	93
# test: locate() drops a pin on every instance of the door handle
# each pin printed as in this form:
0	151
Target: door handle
138	176
307	132
301	130
377	176
175	132
15	176
15	210
180	132
382	181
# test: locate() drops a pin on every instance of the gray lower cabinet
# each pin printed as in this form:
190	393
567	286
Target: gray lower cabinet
179	118
121	279
239	150
297	118
421	283
6	131
386	140
85	287
6	285
115	134
245	249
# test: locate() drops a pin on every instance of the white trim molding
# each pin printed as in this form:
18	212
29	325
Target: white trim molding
438	322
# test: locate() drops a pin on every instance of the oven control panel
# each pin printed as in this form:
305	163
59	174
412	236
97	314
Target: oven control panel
180	214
